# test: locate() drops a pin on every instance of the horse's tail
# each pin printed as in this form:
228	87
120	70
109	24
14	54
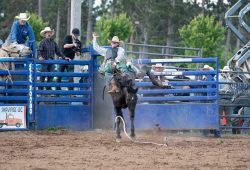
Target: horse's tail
103	92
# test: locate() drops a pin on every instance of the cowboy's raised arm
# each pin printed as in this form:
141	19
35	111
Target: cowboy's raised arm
102	51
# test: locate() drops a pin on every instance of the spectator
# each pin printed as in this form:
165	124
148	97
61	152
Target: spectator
158	74
224	77
210	77
46	51
21	32
182	77
246	123
71	47
84	69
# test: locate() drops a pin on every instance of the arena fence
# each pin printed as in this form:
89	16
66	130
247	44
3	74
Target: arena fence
234	105
31	104
191	102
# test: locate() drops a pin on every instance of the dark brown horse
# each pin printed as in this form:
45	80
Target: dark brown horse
125	97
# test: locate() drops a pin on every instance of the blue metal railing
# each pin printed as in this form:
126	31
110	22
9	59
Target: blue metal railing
22	88
199	90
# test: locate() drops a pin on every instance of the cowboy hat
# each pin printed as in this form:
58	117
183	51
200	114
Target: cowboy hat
207	67
225	68
46	29
22	16
158	65
115	39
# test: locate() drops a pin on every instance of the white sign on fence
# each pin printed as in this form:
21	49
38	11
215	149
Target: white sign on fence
12	117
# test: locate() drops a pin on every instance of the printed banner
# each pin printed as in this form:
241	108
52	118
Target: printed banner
12	117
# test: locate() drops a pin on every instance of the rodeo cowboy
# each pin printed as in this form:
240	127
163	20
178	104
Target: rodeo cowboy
114	58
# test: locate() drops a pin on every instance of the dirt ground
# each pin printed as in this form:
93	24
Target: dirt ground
97	149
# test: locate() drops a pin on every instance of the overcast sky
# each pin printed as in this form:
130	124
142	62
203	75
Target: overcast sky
97	2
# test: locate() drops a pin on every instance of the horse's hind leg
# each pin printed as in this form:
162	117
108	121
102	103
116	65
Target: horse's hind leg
118	122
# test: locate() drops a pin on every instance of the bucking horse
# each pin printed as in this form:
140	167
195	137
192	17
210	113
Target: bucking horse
126	97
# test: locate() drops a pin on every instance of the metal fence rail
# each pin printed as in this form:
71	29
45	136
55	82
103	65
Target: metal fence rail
192	89
158	51
179	107
65	108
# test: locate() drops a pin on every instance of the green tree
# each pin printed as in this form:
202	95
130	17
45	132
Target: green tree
206	33
119	25
38	25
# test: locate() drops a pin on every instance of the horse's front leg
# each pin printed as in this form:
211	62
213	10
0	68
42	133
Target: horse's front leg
132	117
118	122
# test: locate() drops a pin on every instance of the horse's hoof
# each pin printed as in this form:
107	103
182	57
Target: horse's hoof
118	140
133	138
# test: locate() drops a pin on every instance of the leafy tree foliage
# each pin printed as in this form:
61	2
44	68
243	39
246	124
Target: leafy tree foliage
120	26
151	19
50	9
38	25
206	33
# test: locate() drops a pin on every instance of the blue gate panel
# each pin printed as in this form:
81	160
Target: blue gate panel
176	116
74	117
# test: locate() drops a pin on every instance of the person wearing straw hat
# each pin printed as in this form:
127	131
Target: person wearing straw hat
182	77
114	57
158	72
22	32
210	77
224	77
157	75
47	50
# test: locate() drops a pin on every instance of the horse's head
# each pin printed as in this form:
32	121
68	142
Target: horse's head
16	50
124	80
